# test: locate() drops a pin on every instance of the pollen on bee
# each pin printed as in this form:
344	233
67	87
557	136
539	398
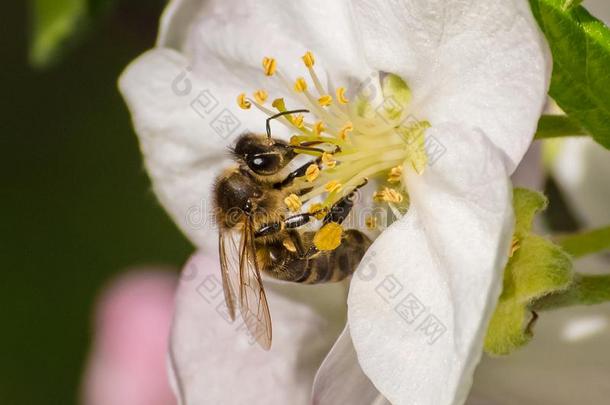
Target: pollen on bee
293	202
312	172
269	66
243	102
325	100
260	96
328	237
289	245
318	210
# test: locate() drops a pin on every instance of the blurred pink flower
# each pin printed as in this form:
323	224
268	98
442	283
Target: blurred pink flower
127	364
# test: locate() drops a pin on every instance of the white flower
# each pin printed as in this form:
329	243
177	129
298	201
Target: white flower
477	72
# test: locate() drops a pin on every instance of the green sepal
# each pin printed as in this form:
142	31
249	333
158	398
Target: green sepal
536	268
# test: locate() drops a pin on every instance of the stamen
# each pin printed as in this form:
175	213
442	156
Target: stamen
318	128
300	85
297	120
371	222
388	195
261	96
312	172
269	66
515	245
341	95
243	102
333	186
327	159
293	203
395	175
308	59
345	130
325	100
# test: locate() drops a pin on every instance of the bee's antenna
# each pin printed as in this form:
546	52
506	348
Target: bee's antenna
280	114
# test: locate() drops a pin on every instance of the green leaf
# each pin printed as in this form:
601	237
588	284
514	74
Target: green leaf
580	45
555	126
536	268
582	244
54	22
57	24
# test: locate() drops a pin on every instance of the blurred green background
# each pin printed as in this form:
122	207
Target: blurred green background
75	202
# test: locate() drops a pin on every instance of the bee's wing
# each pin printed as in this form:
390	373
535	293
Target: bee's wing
252	298
229	252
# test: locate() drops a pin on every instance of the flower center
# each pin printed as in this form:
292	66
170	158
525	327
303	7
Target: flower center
355	135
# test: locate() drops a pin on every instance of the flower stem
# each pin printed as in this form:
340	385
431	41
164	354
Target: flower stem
555	126
584	243
584	290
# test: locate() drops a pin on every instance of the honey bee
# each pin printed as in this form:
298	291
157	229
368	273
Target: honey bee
256	232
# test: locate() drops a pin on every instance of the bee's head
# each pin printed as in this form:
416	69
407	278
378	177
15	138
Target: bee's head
263	155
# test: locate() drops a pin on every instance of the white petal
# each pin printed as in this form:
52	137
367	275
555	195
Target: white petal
174	112
422	296
212	359
566	363
530	173
480	62
340	380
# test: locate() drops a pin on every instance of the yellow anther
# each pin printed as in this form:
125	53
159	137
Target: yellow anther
371	222
318	210
308	59
279	104
395	174
328	160
333	186
300	85
341	95
325	100
515	245
328	237
297	120
243	102
388	195
289	245
261	96
269	66
318	128
312	172
294	140
345	130
293	202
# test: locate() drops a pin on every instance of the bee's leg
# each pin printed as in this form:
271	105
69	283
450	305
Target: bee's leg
292	222
300	172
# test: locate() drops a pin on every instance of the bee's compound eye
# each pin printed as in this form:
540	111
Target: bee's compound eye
264	163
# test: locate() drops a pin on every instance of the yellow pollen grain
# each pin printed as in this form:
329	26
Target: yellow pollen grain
341	95
312	172
328	237
300	85
261	96
243	102
345	130
318	210
388	195
289	245
371	222
333	186
279	104
308	59
269	66
318	128
297	120
327	159
293	202
325	100
395	174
